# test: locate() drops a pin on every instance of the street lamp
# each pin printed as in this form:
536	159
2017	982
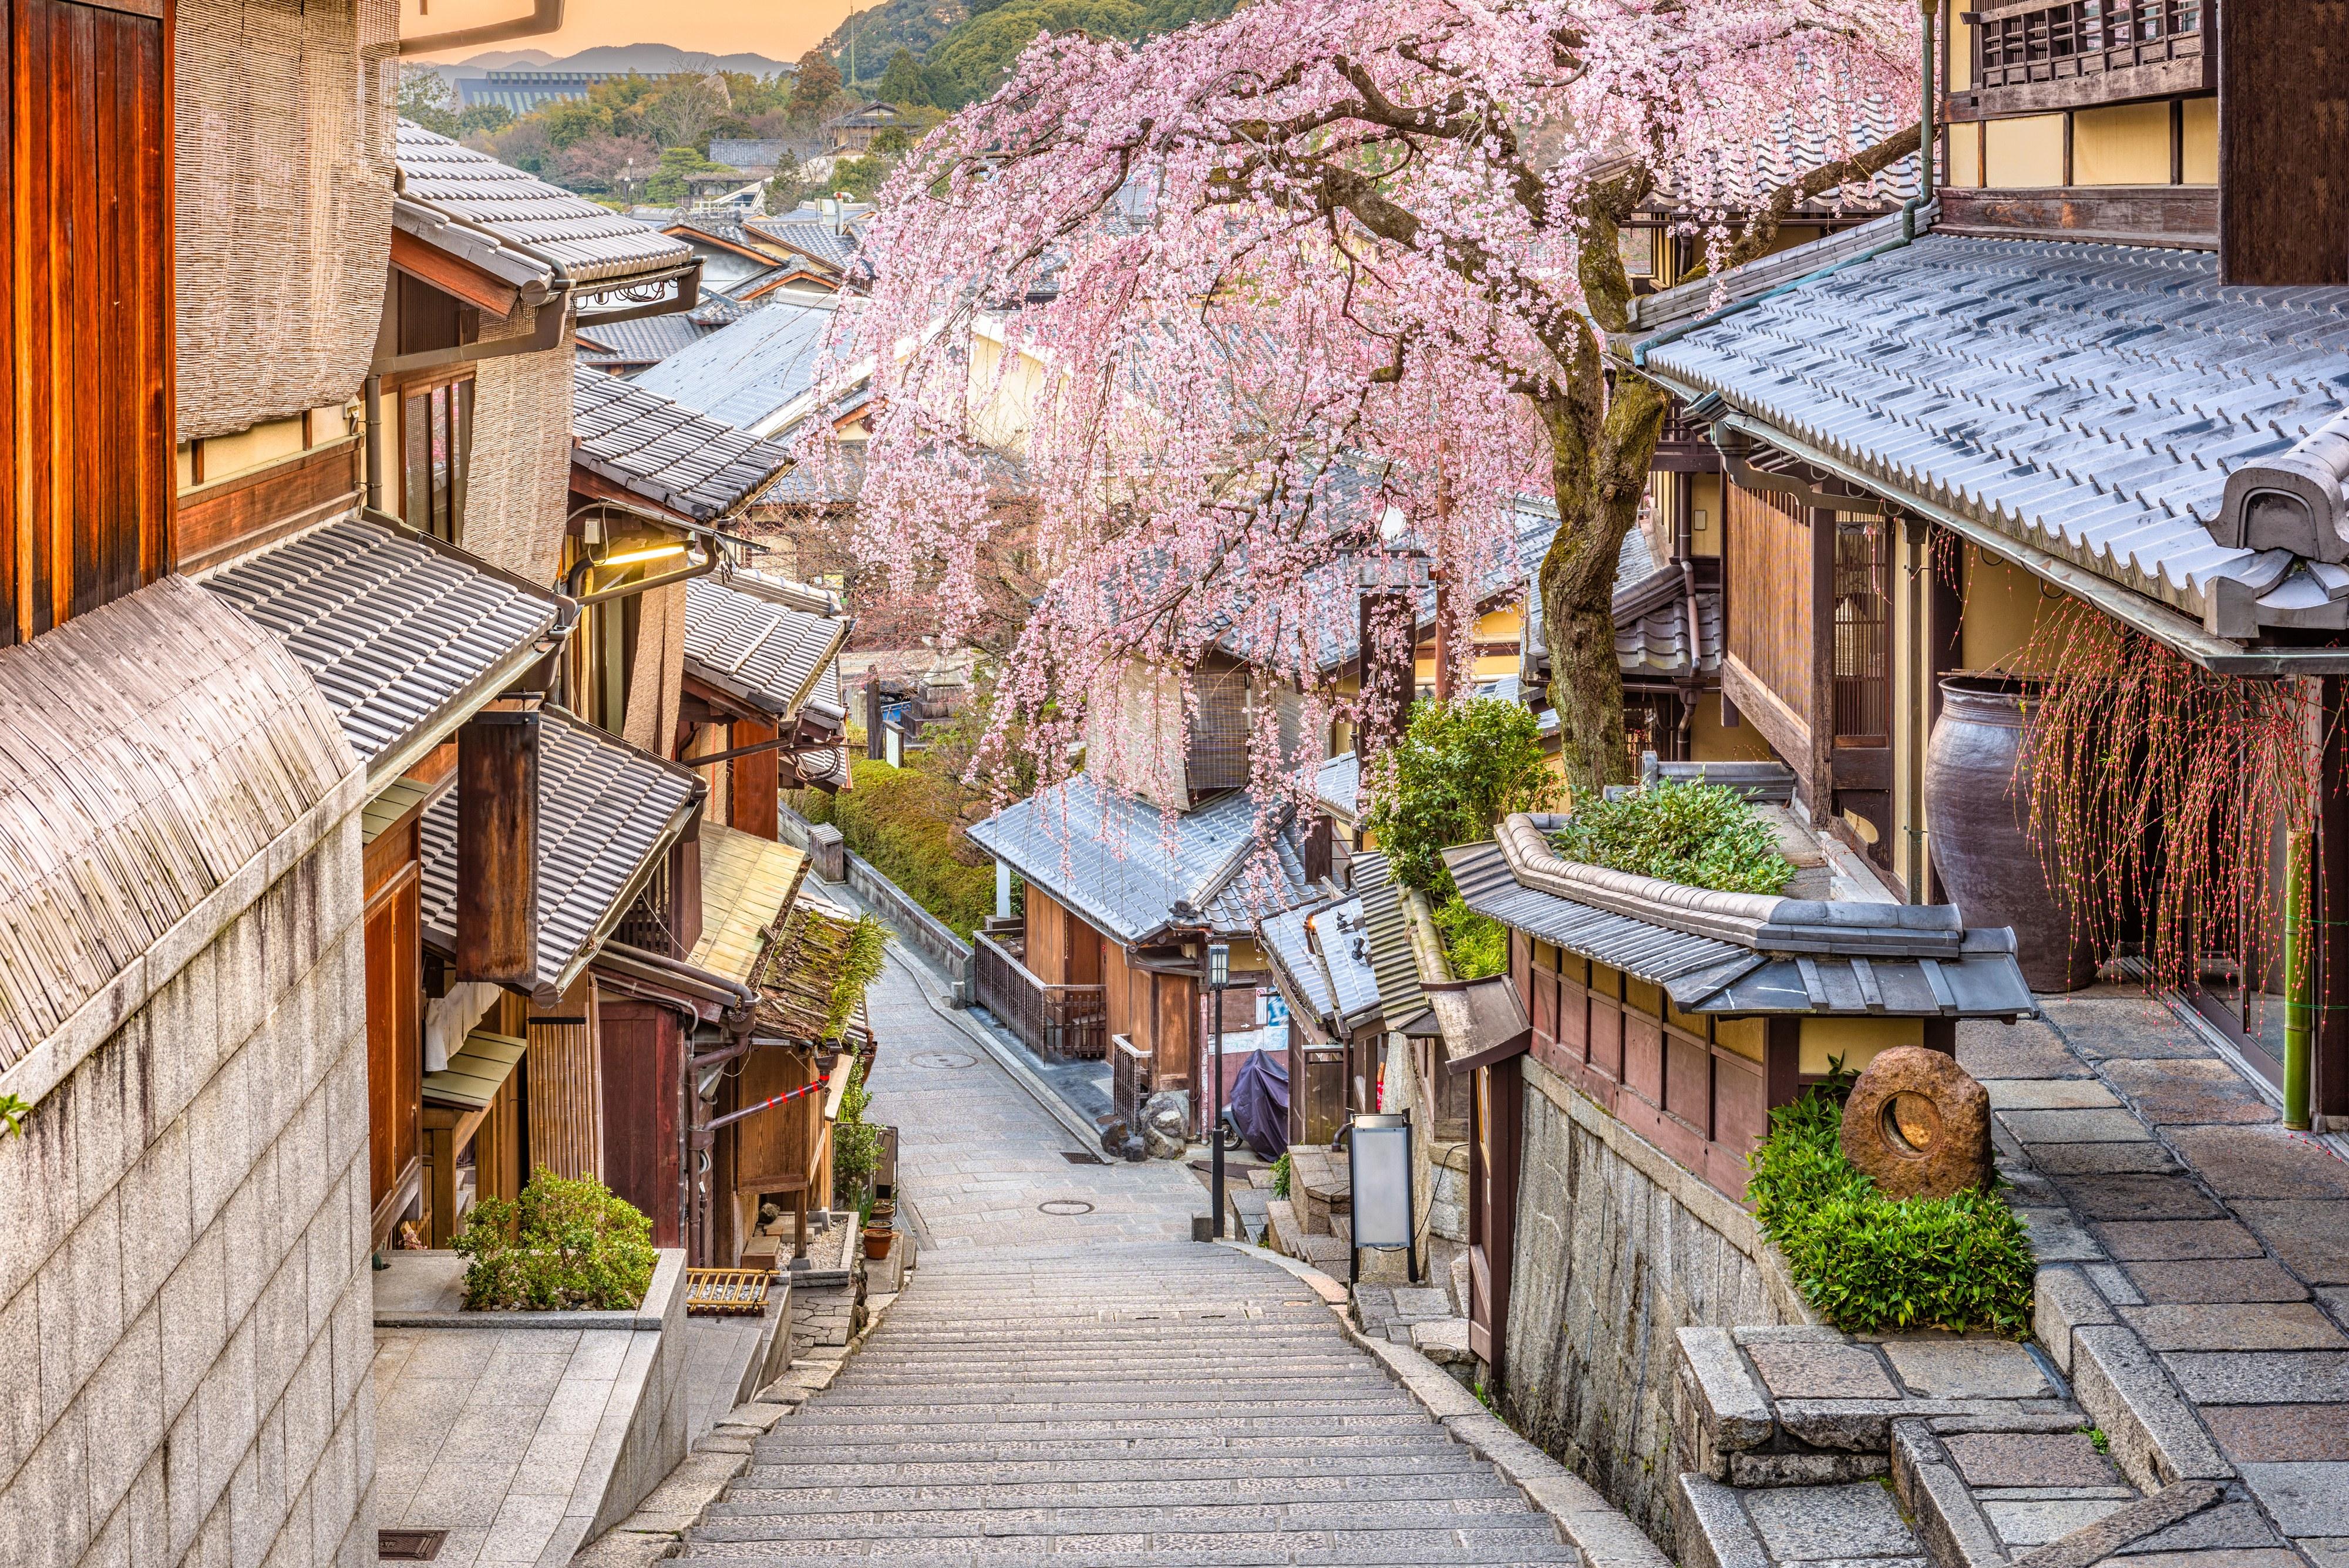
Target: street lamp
1219	976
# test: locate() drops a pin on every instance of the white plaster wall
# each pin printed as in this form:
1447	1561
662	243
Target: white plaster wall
185	1313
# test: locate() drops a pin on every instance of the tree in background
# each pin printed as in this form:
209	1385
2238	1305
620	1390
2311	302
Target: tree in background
861	179
787	186
667	187
681	112
816	92
483	119
426	98
593	166
1309	266
903	84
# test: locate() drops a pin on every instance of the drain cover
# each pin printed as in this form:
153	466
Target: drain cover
1079	1157
939	1059
409	1545
1064	1206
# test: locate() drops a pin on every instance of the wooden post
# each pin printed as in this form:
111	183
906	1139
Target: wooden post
1819	787
2283	137
756	777
441	1153
497	843
1782	1065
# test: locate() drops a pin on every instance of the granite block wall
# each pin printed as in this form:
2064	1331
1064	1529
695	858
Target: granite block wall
185	1305
1619	1248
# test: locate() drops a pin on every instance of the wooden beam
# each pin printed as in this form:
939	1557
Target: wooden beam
2283	143
219	522
497	843
457	279
1757	704
751	802
2178	217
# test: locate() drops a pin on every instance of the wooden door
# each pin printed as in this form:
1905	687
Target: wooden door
394	984
642	1059
86	424
1496	1128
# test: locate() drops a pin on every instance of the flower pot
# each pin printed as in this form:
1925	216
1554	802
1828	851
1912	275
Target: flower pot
878	1240
1976	801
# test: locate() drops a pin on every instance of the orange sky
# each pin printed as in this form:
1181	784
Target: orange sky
779	30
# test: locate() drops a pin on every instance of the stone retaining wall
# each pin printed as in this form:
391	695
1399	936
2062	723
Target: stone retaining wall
1619	1248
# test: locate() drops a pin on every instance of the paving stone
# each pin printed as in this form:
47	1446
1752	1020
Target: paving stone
2267	1557
1420	1303
2056	1236
2310	1236
2153	1434
2241	1280
2274	1377
2102	1028
2139	1156
2174	1094
2035	1128
2062	1299
1796	1370
2137	1198
2028	1049
2233	1526
1952	1368
2303	1499
2293	1325
2260	1434
2262	1162
2049	1094
2037	1459
2113	1284
2326	1553
2131	1239
1733	1406
1810	1523
2026	1524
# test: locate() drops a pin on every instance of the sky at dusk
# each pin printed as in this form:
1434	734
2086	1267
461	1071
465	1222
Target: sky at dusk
779	30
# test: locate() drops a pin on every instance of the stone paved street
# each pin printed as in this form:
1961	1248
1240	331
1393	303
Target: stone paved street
1068	1379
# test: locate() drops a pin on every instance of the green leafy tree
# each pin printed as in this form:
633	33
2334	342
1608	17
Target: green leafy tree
484	119
787	186
426	98
902	83
1461	767
667	187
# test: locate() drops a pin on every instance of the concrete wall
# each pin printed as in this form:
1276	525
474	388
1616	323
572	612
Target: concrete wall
915	924
184	1302
1619	1247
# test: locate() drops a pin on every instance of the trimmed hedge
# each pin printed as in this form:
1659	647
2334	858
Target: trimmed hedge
903	821
1699	834
564	1246
1873	1264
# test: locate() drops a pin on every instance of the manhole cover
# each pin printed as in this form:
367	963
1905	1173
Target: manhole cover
1079	1157
939	1059
1064	1206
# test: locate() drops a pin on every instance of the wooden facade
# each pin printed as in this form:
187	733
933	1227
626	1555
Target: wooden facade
643	1060
394	1001
85	427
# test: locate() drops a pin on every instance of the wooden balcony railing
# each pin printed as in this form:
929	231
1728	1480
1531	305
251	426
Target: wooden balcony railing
1061	1023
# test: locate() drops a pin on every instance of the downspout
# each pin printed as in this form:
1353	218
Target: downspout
373	493
1925	150
1687	543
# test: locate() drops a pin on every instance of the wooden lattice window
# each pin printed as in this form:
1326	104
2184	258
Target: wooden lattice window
1863	634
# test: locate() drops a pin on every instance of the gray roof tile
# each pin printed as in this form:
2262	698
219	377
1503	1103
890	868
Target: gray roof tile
1393	967
396	631
606	811
1121	864
1325	950
746	638
592	243
633	345
663	452
747	372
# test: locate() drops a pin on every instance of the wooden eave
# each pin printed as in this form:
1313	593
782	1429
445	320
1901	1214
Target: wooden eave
453	275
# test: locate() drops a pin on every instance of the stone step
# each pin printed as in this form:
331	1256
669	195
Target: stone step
1114	1489
1372	1552
1100	1463
778	1452
1515	1534
854	1387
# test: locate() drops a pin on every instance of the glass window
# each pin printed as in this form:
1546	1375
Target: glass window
436	425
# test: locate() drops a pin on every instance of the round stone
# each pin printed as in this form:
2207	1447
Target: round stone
1919	1125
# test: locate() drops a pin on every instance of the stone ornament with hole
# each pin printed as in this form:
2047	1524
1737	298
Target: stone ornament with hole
1919	1125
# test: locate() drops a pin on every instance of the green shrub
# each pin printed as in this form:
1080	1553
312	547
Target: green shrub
859	969
1697	834
1873	1264
1476	945
564	1245
1280	1169
1461	767
903	821
855	1145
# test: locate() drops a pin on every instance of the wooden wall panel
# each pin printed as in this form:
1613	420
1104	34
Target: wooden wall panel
2283	142
1769	579
86	426
751	800
566	1111
394	982
643	1054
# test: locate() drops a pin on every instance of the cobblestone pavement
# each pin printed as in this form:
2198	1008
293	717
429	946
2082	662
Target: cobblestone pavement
980	1162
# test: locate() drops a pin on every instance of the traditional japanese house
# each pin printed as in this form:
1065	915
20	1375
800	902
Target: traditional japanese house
2070	386
1319	958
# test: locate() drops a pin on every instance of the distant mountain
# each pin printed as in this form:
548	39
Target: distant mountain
882	30
652	59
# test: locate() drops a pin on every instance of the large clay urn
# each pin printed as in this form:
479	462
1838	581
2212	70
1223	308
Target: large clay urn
1975	804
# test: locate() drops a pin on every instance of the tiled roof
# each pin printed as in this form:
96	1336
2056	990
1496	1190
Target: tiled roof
606	812
1120	864
2088	400
1393	966
831	478
741	152
752	371
592	243
723	227
747	640
1779	159
826	769
747	884
647	340
1651	627
817	238
402	636
1283	937
670	455
1339	784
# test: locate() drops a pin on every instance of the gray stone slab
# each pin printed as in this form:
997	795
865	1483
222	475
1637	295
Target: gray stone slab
2261	1377
2232	1526
2180	1094
1808	1370
2035	1128
2051	1095
2097	1537
2029	1459
2279	1434
2114	1284
2057	1236
2303	1499
2132	1240
2311	1236
2262	1162
2155	1437
2232	1280
1947	1367
2063	1299
2026	1049
2139	1156
2287	1325
1733	1402
1808	1523
2027	1524
2137	1197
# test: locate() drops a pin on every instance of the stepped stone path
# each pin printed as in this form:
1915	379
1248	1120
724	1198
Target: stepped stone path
1162	1403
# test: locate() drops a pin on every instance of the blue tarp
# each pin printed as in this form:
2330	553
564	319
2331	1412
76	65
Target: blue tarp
1259	1103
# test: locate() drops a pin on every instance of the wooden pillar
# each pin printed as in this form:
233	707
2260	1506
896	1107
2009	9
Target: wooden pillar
756	778
1818	785
1782	1062
497	843
1387	663
2329	1091
685	886
2283	139
440	1154
1941	1034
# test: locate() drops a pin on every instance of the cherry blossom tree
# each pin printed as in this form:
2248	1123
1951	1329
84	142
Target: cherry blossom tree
1249	295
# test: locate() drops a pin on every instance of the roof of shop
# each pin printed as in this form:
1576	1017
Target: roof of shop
1394	964
521	214
663	452
749	370
748	638
748	884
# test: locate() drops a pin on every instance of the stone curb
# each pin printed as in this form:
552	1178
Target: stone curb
1586	1521
656	1531
2095	1542
1949	1521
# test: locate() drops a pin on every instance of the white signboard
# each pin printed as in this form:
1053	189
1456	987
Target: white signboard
1382	1181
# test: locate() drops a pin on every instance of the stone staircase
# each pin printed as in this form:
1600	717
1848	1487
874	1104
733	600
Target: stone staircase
1315	1224
1144	1404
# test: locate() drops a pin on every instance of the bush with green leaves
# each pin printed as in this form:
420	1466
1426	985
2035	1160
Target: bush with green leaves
903	820
1874	1264
1475	945
1701	835
859	968
1460	768
564	1246
855	1144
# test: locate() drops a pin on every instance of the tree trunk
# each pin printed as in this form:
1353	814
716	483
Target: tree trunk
1599	485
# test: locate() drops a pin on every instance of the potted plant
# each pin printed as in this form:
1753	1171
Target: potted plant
880	1234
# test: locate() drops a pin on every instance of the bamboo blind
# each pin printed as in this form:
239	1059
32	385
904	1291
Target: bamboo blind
1769	577
565	1123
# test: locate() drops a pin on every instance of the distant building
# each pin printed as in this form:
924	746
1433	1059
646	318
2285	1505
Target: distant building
758	157
853	132
522	92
